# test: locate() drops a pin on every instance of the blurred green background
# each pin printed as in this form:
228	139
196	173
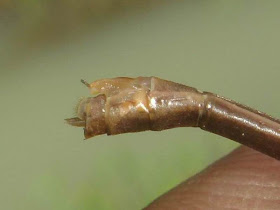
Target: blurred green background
230	48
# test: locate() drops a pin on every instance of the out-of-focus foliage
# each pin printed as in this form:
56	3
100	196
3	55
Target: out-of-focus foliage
28	25
47	21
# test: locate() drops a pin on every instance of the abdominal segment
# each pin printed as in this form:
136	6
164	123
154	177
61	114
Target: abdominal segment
136	104
148	103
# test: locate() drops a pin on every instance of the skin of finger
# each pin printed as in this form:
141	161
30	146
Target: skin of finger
244	179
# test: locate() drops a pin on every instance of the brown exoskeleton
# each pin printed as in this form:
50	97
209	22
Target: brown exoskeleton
149	103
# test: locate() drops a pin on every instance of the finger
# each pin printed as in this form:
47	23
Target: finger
244	179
